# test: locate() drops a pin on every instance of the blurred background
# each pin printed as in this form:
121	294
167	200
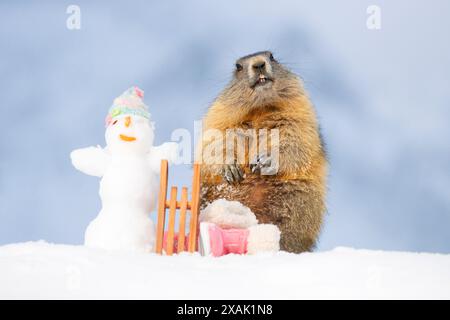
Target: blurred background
382	97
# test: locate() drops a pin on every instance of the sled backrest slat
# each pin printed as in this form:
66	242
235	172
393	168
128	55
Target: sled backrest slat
195	203
182	222
162	205
171	227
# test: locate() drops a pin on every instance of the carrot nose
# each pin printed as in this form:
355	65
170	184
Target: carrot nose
127	121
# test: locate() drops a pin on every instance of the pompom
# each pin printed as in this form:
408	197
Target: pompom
139	92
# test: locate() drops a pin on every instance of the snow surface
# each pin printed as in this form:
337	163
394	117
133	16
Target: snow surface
41	270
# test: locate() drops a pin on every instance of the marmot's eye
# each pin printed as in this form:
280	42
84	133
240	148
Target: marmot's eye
114	122
272	58
238	67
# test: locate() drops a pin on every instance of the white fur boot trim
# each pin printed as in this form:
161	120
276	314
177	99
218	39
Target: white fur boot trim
228	214
263	238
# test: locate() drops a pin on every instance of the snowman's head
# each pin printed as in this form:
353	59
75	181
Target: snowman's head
129	130
129	134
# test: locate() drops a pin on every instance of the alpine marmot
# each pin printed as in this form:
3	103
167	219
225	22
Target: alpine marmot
283	181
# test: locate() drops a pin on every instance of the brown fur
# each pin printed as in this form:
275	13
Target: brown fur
294	198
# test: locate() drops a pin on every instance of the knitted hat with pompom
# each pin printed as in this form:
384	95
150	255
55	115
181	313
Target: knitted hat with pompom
128	103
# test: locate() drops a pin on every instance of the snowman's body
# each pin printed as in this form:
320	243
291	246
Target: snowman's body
129	168
128	191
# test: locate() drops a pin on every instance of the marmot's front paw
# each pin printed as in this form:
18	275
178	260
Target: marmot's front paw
232	173
262	164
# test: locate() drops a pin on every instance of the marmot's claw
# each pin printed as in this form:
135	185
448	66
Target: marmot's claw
233	173
261	161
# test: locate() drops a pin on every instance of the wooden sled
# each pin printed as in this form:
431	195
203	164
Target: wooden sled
183	205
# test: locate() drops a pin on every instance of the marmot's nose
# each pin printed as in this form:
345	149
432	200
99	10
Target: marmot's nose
259	65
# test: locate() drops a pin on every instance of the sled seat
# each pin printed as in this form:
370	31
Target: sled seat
171	241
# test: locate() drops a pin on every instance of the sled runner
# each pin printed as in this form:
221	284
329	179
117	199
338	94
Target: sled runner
168	238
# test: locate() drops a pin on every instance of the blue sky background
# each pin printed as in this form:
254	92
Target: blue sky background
382	98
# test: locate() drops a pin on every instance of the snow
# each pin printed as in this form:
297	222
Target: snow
43	271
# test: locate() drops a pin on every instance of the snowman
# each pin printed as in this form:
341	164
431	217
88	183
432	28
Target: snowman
129	167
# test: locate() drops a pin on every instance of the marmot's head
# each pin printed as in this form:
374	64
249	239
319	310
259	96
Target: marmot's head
260	80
